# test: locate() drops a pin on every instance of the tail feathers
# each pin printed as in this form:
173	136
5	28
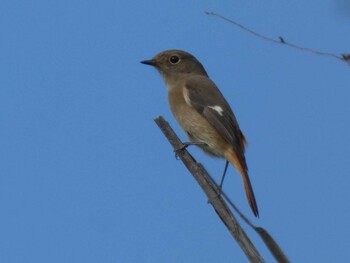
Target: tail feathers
240	165
250	194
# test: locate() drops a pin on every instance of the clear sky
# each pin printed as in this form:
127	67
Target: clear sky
87	176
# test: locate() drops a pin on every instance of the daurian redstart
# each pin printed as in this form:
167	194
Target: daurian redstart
202	111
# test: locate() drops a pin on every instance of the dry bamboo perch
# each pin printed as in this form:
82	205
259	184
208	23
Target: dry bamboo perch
204	180
209	186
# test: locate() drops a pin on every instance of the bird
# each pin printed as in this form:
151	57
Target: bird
203	112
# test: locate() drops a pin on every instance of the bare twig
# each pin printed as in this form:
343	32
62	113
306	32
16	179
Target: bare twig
210	187
265	236
281	40
203	178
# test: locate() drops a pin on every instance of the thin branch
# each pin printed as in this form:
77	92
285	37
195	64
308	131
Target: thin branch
210	187
281	40
271	244
203	178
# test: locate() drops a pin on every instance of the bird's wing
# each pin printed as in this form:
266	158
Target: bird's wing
203	95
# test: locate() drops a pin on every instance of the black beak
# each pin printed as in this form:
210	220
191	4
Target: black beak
150	62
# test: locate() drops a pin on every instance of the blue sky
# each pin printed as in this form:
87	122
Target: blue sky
86	175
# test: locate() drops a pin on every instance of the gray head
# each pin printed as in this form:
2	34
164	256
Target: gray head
175	64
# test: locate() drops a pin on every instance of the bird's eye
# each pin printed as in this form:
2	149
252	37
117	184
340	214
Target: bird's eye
174	59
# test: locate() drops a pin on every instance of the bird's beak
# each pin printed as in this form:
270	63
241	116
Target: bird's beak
150	62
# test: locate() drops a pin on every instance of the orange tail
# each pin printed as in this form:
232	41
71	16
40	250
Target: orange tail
239	164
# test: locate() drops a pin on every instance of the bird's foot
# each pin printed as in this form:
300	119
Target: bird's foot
185	145
219	191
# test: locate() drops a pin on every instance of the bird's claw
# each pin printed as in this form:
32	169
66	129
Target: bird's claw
183	147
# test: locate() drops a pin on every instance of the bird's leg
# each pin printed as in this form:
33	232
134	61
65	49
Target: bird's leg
223	177
185	145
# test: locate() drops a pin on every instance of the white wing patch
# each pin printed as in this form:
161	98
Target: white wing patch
186	96
217	108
